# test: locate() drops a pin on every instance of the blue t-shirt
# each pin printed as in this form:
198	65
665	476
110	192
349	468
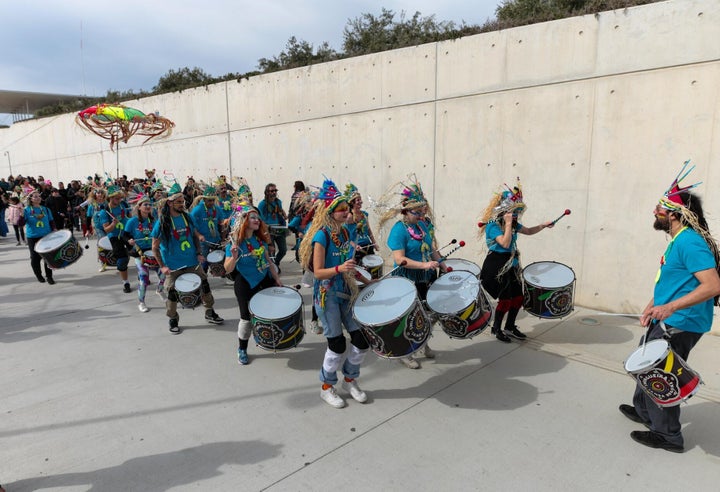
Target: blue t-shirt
362	230
179	251
686	254
418	248
493	230
37	221
271	213
251	263
120	213
335	255
225	206
207	221
140	231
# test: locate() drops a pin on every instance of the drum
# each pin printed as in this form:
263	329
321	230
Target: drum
392	318
460	304
373	264
105	252
276	314
662	374
548	288
466	265
364	273
216	263
59	249
187	286
278	230
149	260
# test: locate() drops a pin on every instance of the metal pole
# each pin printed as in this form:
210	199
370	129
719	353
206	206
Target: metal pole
117	159
7	153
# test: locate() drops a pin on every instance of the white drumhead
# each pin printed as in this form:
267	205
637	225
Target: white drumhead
187	282
655	351
548	274
453	292
215	256
364	273
52	241
150	254
384	301
104	243
275	303
460	264
371	261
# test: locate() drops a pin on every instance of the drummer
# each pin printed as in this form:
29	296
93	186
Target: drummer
176	246
411	241
247	256
38	224
138	229
97	203
272	213
327	250
113	219
358	218
500	273
206	216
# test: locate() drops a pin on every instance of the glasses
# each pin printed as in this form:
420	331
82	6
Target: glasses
416	213
146	205
272	191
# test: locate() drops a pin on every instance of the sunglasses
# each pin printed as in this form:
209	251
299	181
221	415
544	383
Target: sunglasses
416	213
342	208
272	191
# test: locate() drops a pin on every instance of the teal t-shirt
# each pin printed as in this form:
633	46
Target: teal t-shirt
179	250
207	221
417	246
140	231
37	221
251	263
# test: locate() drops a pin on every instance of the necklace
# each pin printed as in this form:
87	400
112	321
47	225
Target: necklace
418	236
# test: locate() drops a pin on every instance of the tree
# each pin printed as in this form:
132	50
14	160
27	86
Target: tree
297	53
183	78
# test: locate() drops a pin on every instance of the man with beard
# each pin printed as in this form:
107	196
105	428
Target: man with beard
681	309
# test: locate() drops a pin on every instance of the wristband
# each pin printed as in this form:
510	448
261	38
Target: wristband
336	269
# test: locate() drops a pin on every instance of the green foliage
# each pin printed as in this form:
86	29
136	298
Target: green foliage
297	53
182	78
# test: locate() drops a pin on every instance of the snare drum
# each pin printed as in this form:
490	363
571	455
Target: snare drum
278	230
59	249
373	264
149	260
105	252
662	374
392	318
216	263
364	273
548	289
466	265
461	305
187	286
276	316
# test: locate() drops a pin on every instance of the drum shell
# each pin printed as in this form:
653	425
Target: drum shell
149	260
548	302
374	265
191	298
216	266
62	255
400	336
277	334
470	320
106	255
668	380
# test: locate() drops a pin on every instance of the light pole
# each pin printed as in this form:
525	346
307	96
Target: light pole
7	153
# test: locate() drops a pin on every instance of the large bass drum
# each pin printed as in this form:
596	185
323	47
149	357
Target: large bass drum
276	314
460	304
548	289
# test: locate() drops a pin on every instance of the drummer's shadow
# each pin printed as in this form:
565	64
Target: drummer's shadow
703	427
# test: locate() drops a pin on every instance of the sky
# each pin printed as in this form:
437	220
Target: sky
83	47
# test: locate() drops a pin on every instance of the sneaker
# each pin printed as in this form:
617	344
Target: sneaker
103	267
630	412
502	337
352	387
143	308
41	280
126	288
212	317
428	352
515	333
654	440
18	243
331	397
51	281
410	363
243	357
316	328
174	328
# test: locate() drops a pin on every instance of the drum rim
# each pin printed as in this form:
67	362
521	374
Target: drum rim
213	252
371	289
470	277
649	344
525	279
296	294
187	274
104	239
64	233
372	257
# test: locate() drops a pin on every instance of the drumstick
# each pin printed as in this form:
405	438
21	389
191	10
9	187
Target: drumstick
367	246
402	264
566	212
448	244
461	244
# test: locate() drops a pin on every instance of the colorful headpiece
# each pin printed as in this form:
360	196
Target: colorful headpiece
511	200
413	197
671	200
209	192
351	192
243	187
158	186
330	194
113	190
174	191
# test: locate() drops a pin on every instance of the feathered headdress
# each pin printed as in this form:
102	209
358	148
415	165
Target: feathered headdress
671	199
411	197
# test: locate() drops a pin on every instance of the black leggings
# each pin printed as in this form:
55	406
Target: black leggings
19	232
35	259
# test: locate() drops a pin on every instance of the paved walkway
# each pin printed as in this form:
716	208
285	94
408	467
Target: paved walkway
98	396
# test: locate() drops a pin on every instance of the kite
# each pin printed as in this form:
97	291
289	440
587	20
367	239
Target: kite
117	123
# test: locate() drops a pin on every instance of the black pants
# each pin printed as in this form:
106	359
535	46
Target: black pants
35	259
19	232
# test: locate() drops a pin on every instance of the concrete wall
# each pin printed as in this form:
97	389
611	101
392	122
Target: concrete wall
594	113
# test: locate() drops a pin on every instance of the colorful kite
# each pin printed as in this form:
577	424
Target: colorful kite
116	123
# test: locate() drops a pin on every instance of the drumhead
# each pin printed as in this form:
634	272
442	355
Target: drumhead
460	264
655	351
104	243
364	273
548	274
384	301
275	303
215	256
52	241
187	282
150	254
453	292
371	261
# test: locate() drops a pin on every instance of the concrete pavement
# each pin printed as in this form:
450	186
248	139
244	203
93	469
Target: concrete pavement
98	396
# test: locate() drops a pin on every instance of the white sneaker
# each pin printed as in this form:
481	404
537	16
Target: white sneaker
352	387
143	308
410	363
103	267
331	397
316	328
